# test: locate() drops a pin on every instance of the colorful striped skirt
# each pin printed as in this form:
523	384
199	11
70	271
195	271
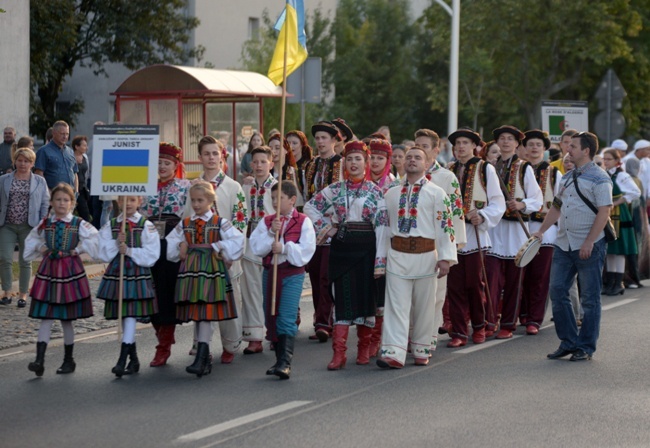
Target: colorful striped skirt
61	290
138	296
203	289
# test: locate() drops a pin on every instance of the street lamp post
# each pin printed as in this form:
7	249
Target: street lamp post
454	13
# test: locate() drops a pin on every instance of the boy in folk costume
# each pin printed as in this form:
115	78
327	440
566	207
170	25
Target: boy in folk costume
483	205
322	171
140	244
429	141
538	272
508	236
230	204
422	248
260	204
294	249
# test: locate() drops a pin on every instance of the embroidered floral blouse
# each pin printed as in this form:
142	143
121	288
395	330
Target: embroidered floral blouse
170	199
345	202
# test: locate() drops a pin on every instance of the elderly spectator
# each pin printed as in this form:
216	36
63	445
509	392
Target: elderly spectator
55	161
24	200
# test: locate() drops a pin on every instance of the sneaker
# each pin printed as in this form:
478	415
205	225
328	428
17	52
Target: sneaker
22	303
5	301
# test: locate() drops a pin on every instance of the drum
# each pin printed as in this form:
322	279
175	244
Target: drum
528	251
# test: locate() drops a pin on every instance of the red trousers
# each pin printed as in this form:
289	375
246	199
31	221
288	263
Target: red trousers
465	294
535	287
504	276
318	269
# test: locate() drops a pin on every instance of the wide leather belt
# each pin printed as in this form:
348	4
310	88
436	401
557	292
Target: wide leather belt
412	245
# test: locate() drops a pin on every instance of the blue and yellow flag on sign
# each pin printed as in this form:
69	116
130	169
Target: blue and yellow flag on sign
291	25
125	166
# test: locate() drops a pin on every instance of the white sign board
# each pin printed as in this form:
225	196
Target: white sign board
558	116
125	160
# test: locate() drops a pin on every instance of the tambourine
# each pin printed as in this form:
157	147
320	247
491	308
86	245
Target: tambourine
528	251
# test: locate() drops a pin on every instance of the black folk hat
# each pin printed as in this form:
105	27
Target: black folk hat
536	133
326	126
510	130
465	132
346	131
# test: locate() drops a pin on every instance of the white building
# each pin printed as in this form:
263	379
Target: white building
14	70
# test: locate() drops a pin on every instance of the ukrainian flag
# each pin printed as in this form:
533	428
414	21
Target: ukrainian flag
291	25
120	166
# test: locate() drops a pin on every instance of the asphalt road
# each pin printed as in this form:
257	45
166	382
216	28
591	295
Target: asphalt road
499	394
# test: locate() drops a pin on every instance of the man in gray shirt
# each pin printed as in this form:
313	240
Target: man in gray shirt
5	150
580	248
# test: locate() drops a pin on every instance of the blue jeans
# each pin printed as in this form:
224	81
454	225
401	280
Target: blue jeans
563	271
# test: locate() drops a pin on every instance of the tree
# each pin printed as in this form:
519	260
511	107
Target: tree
516	53
67	33
256	57
373	69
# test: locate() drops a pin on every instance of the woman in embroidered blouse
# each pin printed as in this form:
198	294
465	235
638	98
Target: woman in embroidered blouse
624	191
24	200
353	214
303	154
255	142
165	211
277	144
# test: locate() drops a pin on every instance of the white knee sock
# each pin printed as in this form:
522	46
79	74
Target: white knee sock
128	330
205	332
616	263
68	332
45	330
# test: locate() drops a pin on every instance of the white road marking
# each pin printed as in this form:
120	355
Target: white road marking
488	344
221	427
619	303
12	353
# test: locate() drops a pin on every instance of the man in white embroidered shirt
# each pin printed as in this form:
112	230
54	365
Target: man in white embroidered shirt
422	248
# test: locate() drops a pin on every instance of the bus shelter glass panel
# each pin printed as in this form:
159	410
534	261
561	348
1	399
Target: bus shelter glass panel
164	113
133	111
248	121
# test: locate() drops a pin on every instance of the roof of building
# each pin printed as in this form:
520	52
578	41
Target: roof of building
195	81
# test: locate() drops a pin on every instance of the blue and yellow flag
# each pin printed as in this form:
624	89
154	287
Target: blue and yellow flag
291	25
125	167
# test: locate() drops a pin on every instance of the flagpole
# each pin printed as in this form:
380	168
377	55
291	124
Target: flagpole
120	297
279	169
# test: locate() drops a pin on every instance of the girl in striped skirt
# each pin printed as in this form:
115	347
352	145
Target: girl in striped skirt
60	289
140	245
206	244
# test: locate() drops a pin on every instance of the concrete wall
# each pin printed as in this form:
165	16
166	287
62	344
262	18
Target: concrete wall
14	69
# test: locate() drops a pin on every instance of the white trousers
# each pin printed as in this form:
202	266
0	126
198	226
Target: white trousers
441	292
402	295
252	305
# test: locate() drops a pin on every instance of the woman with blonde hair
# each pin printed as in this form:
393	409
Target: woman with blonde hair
24	201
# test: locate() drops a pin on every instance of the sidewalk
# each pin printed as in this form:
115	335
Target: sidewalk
16	328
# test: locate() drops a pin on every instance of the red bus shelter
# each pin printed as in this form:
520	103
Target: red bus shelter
190	102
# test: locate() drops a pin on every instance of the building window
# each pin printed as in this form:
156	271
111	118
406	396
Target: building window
253	28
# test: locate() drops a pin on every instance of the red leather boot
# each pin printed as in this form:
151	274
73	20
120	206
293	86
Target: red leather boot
339	345
363	346
165	335
375	337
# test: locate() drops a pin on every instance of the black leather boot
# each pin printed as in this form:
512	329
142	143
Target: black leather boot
68	365
120	368
202	364
608	283
617	287
279	347
134	363
283	370
38	366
